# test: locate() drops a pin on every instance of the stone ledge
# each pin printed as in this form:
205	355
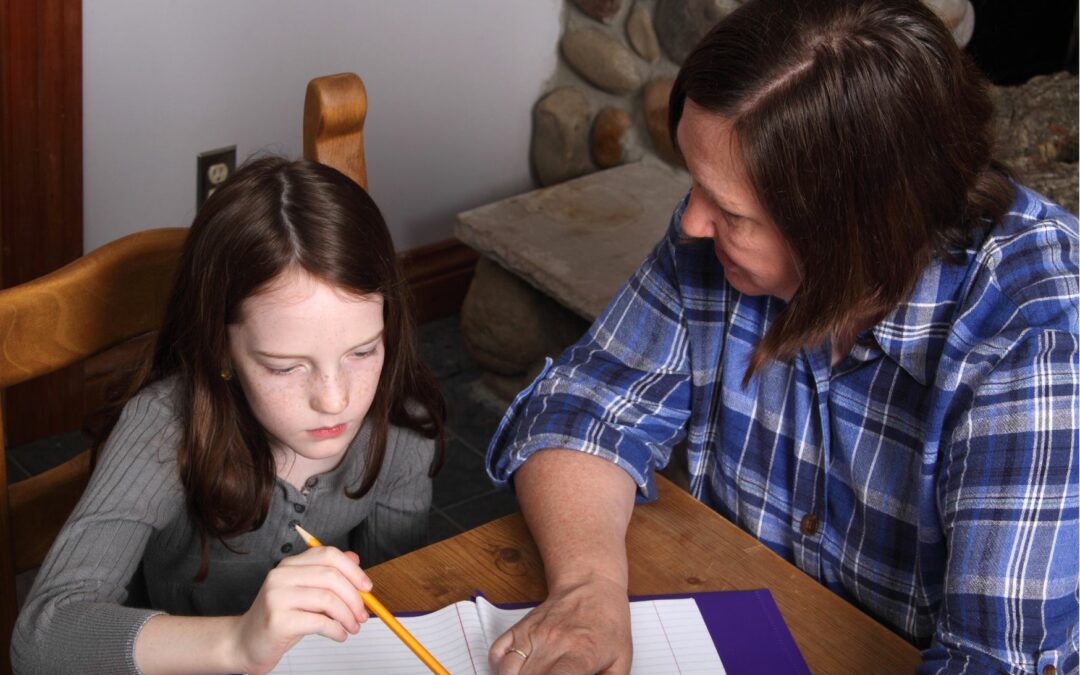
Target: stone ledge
578	241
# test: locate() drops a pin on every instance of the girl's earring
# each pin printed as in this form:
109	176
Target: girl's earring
226	373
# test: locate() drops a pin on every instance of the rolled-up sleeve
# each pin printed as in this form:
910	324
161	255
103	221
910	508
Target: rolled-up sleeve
622	392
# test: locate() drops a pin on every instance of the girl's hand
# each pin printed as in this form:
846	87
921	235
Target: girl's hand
580	629
313	592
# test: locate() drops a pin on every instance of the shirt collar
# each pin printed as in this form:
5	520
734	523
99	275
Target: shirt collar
913	334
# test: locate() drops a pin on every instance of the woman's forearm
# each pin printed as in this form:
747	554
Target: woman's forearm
577	507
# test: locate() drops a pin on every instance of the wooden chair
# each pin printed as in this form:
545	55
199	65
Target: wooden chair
113	297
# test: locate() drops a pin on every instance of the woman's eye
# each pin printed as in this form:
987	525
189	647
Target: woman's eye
735	220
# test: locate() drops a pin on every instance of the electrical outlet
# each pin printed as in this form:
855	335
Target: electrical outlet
214	167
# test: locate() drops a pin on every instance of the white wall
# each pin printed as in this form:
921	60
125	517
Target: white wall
450	83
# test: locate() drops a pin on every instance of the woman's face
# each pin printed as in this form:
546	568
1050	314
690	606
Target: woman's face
308	357
723	207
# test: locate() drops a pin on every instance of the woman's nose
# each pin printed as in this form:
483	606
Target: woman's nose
695	220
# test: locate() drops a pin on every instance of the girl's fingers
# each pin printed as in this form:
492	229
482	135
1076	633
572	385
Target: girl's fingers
319	624
331	579
327	603
331	557
316	589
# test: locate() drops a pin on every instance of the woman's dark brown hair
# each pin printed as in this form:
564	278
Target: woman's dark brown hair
865	132
271	216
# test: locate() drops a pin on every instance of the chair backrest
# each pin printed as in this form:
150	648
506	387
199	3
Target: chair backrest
334	110
101	301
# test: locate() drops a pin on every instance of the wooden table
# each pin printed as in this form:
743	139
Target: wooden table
676	545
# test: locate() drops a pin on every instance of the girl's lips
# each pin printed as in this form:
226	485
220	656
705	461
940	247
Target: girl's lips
327	432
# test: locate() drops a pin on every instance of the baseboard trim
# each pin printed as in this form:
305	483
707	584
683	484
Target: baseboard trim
438	275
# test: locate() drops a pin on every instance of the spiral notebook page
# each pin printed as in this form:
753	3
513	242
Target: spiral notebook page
669	636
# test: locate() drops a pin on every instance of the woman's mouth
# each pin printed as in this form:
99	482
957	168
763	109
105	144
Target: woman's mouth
724	260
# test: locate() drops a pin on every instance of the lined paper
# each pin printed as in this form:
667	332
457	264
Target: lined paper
669	636
452	634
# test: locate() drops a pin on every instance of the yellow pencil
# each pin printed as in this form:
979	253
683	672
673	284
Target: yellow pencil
383	613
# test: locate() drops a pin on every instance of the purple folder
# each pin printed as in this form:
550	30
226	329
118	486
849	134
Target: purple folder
746	626
749	633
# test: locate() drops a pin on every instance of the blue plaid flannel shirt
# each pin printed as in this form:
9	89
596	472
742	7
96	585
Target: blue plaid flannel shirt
939	458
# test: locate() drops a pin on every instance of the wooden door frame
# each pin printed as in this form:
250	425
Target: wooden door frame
41	178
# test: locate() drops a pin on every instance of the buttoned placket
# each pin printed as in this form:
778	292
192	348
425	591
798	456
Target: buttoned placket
808	512
299	507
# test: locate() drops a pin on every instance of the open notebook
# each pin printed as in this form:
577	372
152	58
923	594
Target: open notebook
670	636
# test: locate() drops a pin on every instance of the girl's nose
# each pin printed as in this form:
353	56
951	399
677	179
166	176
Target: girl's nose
331	394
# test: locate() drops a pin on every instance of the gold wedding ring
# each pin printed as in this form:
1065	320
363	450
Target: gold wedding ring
515	650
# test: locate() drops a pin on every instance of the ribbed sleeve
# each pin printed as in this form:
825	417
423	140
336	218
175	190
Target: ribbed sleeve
73	620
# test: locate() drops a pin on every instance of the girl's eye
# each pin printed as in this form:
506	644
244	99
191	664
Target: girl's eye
283	371
362	354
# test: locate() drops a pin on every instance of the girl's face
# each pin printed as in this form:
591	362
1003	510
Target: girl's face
723	207
308	357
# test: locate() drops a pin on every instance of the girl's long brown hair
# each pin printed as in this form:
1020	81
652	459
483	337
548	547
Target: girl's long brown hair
866	134
273	215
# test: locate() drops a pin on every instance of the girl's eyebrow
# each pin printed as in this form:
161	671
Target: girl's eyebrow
362	343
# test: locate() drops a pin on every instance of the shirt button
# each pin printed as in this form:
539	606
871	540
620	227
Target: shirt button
299	508
809	524
286	548
293	524
1049	670
312	482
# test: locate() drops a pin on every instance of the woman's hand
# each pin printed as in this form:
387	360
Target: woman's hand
581	629
313	592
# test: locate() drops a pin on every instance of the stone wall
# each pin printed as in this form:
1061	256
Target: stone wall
607	103
1036	134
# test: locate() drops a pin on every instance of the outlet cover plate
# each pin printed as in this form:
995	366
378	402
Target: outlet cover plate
214	167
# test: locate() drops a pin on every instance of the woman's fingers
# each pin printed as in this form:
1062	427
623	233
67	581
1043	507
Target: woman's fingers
509	653
583	629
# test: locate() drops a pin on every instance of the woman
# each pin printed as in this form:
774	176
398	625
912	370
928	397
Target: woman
864	331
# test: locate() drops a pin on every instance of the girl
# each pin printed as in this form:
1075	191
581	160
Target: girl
285	388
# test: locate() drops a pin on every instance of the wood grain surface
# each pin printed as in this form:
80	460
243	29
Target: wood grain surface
676	545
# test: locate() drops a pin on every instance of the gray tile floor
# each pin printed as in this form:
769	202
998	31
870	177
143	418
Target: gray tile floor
464	497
